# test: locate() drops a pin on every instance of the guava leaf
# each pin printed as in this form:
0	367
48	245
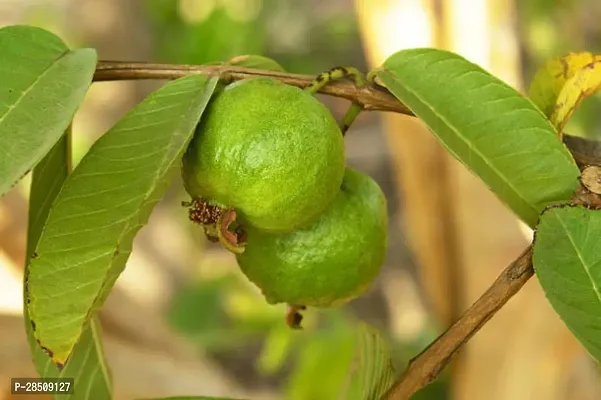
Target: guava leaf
321	367
105	201
42	84
585	83
372	372
567	262
276	347
487	125
87	365
550	79
257	62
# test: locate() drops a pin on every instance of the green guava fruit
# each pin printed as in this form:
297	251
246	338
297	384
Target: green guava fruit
329	262
269	151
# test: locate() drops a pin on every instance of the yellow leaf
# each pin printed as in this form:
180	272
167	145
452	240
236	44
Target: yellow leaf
585	83
551	78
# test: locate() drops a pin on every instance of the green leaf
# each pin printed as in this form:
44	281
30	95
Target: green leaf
276	347
257	62
568	266
42	84
47	180
372	373
102	205
496	132
322	364
87	365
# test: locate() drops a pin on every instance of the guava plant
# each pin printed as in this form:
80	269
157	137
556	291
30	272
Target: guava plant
263	163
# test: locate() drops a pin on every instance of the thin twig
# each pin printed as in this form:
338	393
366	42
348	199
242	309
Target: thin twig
425	367
371	97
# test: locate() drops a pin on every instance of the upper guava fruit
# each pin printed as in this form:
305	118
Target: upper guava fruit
329	262
270	151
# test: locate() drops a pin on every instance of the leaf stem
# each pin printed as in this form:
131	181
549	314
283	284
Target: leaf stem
350	116
332	75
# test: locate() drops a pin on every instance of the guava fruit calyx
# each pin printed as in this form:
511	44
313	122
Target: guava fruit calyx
219	224
233	240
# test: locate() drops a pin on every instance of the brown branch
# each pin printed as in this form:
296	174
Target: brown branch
371	97
424	368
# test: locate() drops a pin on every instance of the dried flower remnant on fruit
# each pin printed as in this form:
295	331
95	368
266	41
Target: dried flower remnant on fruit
233	239
216	222
201	212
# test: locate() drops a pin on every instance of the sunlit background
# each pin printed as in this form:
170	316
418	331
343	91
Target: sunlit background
183	320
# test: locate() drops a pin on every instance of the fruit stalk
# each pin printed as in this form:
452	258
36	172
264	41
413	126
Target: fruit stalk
337	73
350	116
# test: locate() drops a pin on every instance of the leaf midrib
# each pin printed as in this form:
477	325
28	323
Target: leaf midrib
33	84
159	176
144	200
580	257
468	143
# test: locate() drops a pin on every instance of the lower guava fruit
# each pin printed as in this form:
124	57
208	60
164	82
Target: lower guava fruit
329	262
268	152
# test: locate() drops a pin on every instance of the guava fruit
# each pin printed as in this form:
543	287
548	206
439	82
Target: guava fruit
329	262
268	152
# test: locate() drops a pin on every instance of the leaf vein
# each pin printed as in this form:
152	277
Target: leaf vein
580	258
